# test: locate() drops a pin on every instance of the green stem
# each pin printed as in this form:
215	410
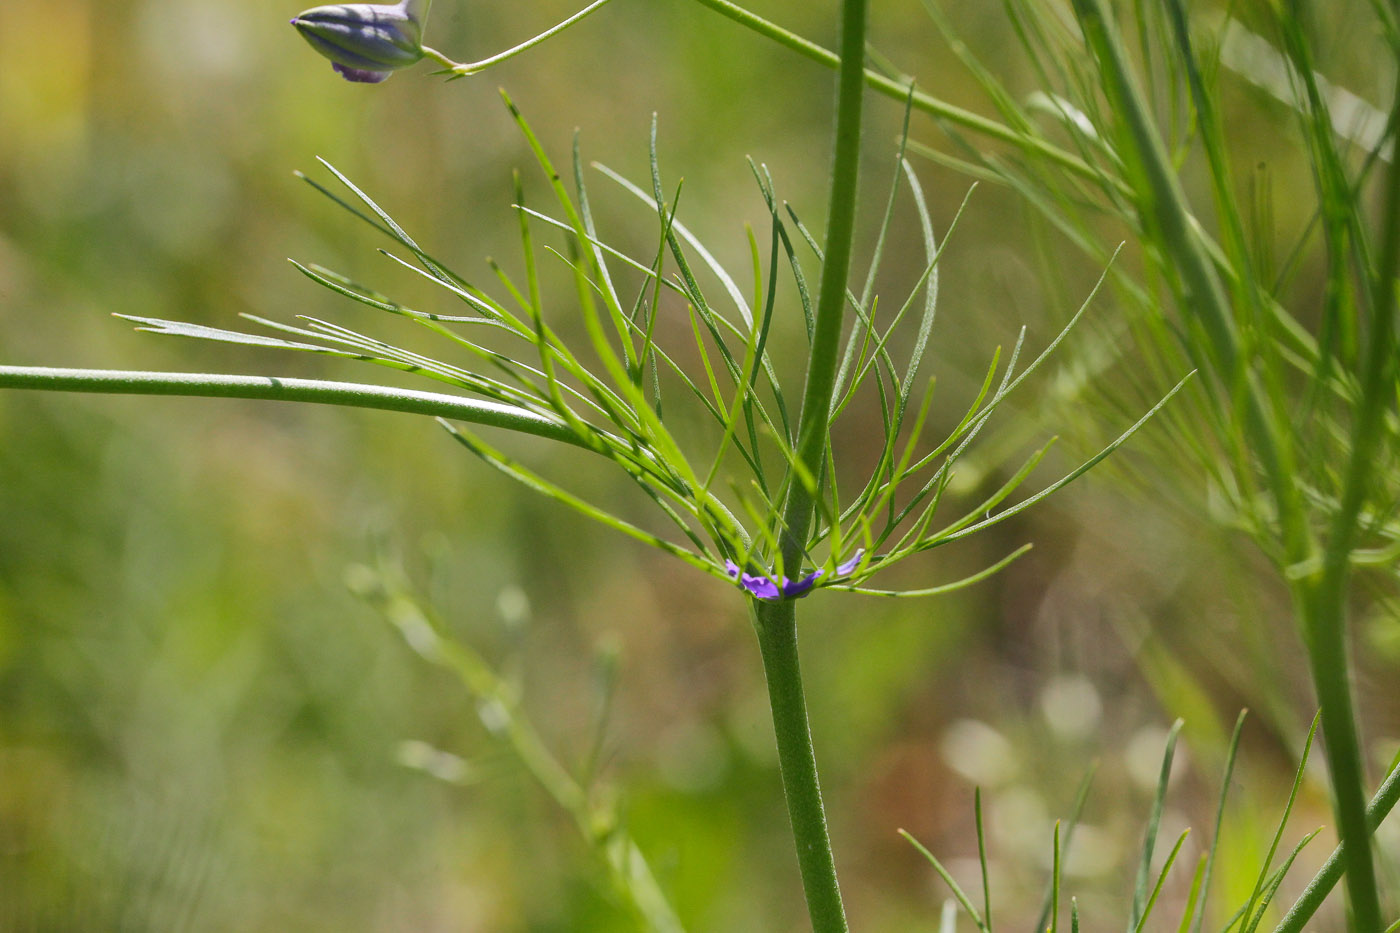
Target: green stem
1162	205
1336	865
461	70
1322	608
1320	593
598	823
276	388
831	301
1325	594
894	90
776	624
349	394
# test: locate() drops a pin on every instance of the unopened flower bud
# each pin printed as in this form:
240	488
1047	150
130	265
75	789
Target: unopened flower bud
366	41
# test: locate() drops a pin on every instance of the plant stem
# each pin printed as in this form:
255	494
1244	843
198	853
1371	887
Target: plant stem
598	824
1322	608
1331	872
921	101
277	388
462	70
1321	593
776	624
815	419
1163	208
1320	596
1325	593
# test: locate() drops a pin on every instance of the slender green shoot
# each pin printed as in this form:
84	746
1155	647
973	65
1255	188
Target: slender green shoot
1154	820
963	900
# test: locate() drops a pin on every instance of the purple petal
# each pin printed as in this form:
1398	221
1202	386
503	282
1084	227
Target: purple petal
798	589
761	587
849	567
361	75
758	586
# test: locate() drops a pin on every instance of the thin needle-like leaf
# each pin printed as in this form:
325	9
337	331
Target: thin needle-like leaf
1141	904
948	880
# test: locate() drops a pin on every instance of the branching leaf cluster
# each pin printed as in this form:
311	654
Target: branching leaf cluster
1223	292
619	396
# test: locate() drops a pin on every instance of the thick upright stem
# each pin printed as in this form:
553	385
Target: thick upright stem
836	268
1321	596
1322	607
1324	595
776	623
1332	870
1326	611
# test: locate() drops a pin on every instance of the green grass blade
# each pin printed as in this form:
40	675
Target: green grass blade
279	388
1194	895
1154	820
1069	477
599	263
1271	889
982	859
948	880
1209	864
1332	870
1161	880
1081	800
932	252
1264	869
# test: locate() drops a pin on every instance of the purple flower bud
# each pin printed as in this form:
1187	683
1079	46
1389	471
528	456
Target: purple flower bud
365	41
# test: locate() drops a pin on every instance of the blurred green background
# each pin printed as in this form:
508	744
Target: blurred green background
202	729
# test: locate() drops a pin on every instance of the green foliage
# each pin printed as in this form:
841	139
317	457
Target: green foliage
650	345
622	412
500	710
1247	918
1294	423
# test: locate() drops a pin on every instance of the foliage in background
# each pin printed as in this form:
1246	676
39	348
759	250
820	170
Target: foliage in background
1297	428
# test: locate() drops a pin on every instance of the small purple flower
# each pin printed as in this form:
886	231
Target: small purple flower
365	41
761	587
